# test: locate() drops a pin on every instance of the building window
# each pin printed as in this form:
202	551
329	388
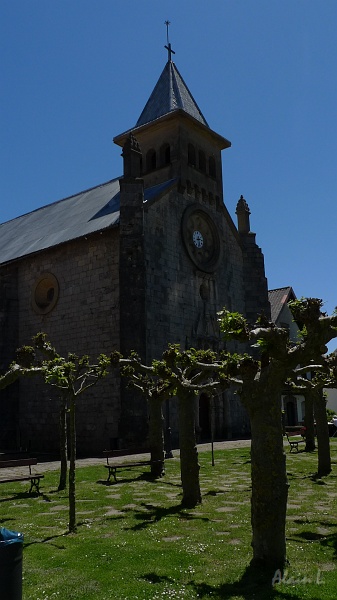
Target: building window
165	154
45	294
151	160
211	167
191	155
202	161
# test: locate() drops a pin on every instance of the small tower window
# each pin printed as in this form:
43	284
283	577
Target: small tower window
165	154
151	160
211	166
191	155
202	161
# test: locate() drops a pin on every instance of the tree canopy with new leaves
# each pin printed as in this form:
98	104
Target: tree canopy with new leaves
71	376
260	383
182	374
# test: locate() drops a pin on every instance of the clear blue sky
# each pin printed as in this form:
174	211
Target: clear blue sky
75	73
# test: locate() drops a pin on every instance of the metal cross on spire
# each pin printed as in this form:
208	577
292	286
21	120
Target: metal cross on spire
168	47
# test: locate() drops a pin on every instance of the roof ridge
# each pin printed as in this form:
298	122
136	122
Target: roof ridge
30	212
285	287
190	93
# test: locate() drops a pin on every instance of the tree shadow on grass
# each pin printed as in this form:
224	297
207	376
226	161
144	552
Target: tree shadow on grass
142	477
48	539
255	584
225	492
26	496
330	541
153	514
18	496
327	540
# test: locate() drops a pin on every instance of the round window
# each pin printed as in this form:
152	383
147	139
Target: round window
45	293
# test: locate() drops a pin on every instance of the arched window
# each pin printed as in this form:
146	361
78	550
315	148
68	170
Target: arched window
151	160
202	161
211	166
290	410
191	155
165	154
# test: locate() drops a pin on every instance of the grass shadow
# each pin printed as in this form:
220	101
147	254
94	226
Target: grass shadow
25	496
154	514
330	541
120	480
48	539
155	578
143	477
311	536
255	584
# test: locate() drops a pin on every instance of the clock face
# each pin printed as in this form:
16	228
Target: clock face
198	240
201	238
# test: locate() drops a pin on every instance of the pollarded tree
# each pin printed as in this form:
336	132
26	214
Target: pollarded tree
156	389
322	376
43	350
23	365
260	384
183	374
28	363
72	376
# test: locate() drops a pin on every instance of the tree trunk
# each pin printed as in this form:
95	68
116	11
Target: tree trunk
156	437
189	465
269	481
322	431
309	423
72	467
63	443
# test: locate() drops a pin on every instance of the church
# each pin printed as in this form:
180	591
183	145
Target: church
143	260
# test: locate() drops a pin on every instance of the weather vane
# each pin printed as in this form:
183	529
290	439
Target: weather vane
168	47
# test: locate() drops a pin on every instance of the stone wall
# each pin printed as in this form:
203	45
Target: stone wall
9	338
182	301
85	320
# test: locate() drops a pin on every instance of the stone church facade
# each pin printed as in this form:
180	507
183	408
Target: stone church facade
132	264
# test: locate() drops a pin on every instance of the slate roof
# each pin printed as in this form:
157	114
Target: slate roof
90	211
170	93
278	298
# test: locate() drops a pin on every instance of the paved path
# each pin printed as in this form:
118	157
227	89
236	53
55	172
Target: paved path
85	462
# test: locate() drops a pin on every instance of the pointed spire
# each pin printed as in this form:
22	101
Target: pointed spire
170	93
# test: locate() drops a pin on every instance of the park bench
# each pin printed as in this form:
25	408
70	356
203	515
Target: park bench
113	467
13	465
295	437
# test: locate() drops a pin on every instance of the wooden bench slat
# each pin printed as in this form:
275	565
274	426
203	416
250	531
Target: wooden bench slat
24	462
34	478
127	465
28	478
299	434
113	467
126	452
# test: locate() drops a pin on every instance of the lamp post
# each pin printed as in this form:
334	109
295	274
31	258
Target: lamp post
168	436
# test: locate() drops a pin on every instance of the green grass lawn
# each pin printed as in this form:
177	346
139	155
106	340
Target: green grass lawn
134	542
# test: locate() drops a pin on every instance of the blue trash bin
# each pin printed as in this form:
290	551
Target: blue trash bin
11	543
